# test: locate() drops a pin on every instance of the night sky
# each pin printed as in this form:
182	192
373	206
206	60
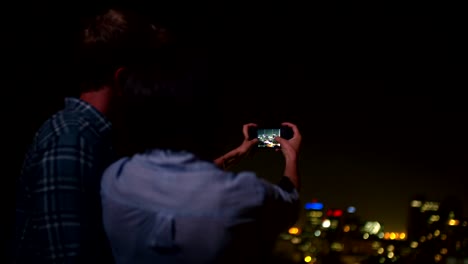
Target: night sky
378	98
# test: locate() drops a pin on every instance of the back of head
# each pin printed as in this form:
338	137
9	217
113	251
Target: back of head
164	110
112	39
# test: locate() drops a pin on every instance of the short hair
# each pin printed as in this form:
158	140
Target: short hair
112	39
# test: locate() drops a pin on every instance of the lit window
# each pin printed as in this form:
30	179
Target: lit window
416	203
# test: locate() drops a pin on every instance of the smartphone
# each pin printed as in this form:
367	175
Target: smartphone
266	136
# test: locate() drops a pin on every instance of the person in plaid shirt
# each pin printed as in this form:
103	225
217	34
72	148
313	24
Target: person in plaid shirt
58	211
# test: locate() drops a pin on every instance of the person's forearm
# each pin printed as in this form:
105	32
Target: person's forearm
290	171
228	159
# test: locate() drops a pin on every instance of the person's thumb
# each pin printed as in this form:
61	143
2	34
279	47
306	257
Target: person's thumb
280	140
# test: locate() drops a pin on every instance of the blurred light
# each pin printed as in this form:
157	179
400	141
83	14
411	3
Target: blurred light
387	235
392	236
365	236
437	257
293	231
346	228
382	260
315	214
351	209
308	259
317	233
414	244
430	206
390	255
416	203
453	222
451	215
380	250
336	246
390	248
433	218
295	240
443	251
372	227
337	213
314	206
306	246
334	223
429	236
326	223
422	239
437	232
381	235
443	237
402	236
376	245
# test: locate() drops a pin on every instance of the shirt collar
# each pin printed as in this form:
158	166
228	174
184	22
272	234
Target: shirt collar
102	124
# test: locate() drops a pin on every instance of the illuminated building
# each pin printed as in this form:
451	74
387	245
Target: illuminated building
438	227
351	223
314	213
422	215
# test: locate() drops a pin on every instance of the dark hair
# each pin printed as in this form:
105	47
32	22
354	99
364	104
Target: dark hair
165	110
113	39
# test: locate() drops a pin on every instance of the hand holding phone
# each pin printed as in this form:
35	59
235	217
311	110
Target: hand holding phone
267	136
290	146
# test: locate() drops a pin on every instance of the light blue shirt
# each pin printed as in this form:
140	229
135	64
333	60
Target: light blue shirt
167	207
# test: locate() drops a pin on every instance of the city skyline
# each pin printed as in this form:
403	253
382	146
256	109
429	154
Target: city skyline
374	152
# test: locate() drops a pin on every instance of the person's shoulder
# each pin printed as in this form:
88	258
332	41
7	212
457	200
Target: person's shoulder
62	127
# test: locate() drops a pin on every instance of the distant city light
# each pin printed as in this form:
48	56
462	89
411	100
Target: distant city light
314	206
346	228
433	218
336	246
394	236
351	209
416	203
308	259
372	227
430	206
337	213
293	231
326	223
296	240
334	212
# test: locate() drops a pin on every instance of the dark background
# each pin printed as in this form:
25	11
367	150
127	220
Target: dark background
376	91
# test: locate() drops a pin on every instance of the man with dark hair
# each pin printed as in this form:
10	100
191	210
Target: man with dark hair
58	205
58	212
169	201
